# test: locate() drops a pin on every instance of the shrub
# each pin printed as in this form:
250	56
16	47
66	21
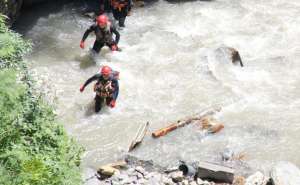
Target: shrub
34	148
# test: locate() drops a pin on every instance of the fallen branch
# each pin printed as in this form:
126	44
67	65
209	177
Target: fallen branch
183	122
139	136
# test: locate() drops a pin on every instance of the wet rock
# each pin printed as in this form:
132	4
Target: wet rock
285	173
229	53
215	172
177	176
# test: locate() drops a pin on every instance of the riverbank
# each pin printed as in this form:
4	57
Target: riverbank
132	170
35	148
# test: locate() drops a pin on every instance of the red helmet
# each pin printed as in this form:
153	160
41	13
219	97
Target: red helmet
102	20
106	70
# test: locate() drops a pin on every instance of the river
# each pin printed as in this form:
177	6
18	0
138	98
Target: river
169	69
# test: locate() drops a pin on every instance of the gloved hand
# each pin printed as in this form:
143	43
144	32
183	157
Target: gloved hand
114	47
82	44
81	88
112	103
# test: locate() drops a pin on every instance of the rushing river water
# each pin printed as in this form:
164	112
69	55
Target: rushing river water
169	69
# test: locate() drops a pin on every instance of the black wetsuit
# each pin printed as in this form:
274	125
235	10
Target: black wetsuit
100	100
105	6
120	12
103	36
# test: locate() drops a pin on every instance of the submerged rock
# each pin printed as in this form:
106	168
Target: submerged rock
229	53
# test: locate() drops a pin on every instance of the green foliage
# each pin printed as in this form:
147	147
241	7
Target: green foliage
12	46
34	148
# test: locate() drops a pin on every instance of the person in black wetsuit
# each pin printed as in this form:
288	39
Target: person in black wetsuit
106	87
105	6
121	9
104	35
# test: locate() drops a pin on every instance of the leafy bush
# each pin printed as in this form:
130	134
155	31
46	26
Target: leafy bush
34	148
12	46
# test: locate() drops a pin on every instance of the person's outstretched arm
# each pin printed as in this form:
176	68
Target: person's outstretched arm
93	78
114	30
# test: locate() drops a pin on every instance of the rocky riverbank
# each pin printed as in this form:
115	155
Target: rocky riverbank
135	171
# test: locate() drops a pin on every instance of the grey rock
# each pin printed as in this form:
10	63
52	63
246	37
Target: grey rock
227	154
89	177
257	179
185	182
285	173
122	176
142	181
126	181
204	183
153	181
140	176
149	175
193	183
167	181
215	172
140	169
199	181
131	170
177	176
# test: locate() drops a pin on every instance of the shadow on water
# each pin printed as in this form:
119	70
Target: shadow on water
184	1
87	60
90	109
30	14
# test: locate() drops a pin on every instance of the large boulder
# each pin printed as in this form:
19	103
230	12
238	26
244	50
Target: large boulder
285	173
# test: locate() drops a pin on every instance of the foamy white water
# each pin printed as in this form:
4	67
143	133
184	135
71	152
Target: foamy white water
170	68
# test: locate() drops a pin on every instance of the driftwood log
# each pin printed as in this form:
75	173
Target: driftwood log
182	122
